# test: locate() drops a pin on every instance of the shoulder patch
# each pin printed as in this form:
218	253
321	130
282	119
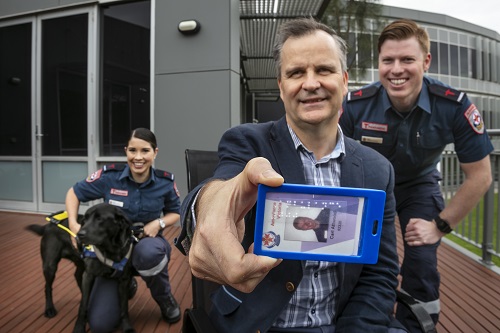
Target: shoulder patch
177	190
361	93
114	167
474	118
164	174
95	176
447	92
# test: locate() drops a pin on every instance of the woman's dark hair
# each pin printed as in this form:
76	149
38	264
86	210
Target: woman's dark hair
144	134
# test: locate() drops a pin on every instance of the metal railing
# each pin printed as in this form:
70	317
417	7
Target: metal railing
481	227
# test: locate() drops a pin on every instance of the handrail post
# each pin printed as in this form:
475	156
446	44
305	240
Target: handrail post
488	219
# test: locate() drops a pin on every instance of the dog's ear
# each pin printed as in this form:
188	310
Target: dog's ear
88	214
124	226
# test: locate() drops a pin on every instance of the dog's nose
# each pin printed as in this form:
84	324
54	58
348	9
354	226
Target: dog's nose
81	234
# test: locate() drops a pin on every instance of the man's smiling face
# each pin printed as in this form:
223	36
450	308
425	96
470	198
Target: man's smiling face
402	65
312	83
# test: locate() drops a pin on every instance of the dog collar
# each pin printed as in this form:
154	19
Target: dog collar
91	251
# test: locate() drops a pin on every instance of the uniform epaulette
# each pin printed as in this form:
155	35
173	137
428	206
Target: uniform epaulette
447	92
114	167
362	93
164	174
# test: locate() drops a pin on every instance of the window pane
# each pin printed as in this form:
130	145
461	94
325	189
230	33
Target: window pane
64	86
364	51
473	63
434	59
351	55
15	90
375	50
66	173
17	180
464	62
126	66
454	60
443	58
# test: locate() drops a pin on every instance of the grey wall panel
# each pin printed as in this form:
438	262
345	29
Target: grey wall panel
197	79
192	111
212	48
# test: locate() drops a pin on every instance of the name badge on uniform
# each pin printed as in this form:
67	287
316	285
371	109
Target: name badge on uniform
372	139
122	193
116	203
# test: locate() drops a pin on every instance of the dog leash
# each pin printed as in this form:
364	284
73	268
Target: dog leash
57	217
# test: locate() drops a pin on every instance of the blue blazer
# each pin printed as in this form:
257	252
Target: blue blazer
367	292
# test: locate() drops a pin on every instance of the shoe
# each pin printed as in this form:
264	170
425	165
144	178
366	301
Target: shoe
170	310
132	288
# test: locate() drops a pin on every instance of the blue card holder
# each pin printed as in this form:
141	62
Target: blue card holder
306	222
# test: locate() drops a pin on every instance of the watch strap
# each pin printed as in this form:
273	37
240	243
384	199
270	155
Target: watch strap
443	225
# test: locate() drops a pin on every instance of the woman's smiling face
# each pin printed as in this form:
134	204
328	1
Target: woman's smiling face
140	158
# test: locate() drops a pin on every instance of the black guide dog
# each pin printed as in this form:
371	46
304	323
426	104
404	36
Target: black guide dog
108	240
55	245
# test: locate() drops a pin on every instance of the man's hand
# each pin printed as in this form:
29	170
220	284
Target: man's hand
421	232
216	252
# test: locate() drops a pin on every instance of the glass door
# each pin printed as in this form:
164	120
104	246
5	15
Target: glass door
17	190
47	107
66	91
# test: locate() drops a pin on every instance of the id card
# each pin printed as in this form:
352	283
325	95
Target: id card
306	222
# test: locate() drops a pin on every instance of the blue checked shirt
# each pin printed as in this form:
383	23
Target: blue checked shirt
313	303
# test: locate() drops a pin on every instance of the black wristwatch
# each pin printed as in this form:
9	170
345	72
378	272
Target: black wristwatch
443	225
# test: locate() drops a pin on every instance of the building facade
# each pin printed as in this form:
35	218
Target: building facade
77	75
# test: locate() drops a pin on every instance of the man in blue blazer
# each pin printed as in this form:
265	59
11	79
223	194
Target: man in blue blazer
262	294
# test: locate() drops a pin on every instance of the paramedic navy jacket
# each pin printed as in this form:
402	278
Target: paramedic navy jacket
413	144
140	202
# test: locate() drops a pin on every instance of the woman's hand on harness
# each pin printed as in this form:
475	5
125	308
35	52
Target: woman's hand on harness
74	226
152	229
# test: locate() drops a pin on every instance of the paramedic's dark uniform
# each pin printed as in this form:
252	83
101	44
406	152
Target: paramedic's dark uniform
413	142
141	203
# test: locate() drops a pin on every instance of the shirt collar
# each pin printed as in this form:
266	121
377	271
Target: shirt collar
126	174
338	151
423	101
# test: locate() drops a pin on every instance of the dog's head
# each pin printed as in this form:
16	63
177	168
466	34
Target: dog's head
105	226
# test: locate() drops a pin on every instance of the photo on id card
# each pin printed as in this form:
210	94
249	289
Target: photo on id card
307	222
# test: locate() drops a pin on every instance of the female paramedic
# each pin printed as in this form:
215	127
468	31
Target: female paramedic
147	195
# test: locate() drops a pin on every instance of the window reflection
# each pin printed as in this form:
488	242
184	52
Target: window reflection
64	86
443	59
454	60
434	68
126	74
15	90
464	62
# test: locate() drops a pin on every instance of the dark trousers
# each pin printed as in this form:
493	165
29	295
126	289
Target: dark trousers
148	254
420	277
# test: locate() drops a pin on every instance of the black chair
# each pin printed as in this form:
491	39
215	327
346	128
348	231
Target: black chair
200	165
